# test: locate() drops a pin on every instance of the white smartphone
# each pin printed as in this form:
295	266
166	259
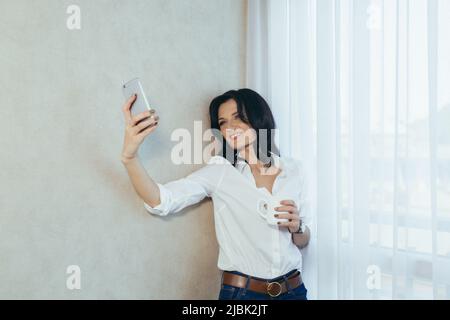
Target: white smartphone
141	103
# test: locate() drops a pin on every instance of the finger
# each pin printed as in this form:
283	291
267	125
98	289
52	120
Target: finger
143	115
147	131
287	216
287	224
286	209
126	108
288	202
145	124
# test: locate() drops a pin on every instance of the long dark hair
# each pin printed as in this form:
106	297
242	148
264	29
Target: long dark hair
255	111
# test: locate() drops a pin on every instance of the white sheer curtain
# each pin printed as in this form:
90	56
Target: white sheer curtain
360	90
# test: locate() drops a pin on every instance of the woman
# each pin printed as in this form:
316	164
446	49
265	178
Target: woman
260	259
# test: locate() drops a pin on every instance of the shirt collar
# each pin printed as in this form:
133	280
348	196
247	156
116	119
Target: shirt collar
278	161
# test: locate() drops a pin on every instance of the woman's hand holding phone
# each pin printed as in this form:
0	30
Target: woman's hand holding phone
137	128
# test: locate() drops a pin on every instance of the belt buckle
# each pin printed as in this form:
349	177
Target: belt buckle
269	287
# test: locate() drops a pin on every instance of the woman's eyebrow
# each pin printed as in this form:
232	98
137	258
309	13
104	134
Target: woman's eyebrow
232	115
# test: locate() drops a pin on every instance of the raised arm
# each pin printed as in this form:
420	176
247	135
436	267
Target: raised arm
145	187
173	196
138	127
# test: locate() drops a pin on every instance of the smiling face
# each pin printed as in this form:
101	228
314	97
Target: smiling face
236	132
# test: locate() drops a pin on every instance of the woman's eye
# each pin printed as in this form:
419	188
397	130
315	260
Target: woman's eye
220	124
242	119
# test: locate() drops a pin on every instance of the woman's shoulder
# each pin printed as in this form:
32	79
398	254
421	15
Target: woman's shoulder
213	168
294	164
217	159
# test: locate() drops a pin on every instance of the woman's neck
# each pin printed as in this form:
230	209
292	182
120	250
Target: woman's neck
249	154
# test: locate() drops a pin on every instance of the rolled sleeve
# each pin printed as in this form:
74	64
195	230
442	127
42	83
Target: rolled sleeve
178	194
161	209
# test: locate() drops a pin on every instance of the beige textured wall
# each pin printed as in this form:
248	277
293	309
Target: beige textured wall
65	198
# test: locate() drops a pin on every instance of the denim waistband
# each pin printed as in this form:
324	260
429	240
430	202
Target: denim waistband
270	280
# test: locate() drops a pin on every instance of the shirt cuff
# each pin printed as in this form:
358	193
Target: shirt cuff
161	209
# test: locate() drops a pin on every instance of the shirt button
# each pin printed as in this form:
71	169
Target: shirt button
262	206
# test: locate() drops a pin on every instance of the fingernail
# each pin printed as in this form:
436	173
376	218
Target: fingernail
152	111
278	222
276	215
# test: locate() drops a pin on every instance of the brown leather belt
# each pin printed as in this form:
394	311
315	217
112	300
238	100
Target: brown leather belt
274	289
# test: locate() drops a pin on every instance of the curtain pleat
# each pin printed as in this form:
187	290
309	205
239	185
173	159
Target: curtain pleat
360	144
432	36
326	157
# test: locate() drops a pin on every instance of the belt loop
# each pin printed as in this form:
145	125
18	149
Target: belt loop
287	283
247	283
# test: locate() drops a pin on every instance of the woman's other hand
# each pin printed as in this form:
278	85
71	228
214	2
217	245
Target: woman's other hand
292	215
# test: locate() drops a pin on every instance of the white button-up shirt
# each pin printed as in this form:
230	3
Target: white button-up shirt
247	243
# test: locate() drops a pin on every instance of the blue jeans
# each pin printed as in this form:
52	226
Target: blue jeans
228	292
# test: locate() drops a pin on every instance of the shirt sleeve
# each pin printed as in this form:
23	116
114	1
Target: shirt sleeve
181	193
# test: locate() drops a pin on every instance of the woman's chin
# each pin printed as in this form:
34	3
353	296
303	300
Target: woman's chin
239	148
236	148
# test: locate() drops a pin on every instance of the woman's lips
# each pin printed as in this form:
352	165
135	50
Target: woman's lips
235	135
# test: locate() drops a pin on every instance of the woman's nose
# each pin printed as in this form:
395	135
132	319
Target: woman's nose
234	123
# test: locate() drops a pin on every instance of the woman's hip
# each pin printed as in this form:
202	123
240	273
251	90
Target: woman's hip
240	286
